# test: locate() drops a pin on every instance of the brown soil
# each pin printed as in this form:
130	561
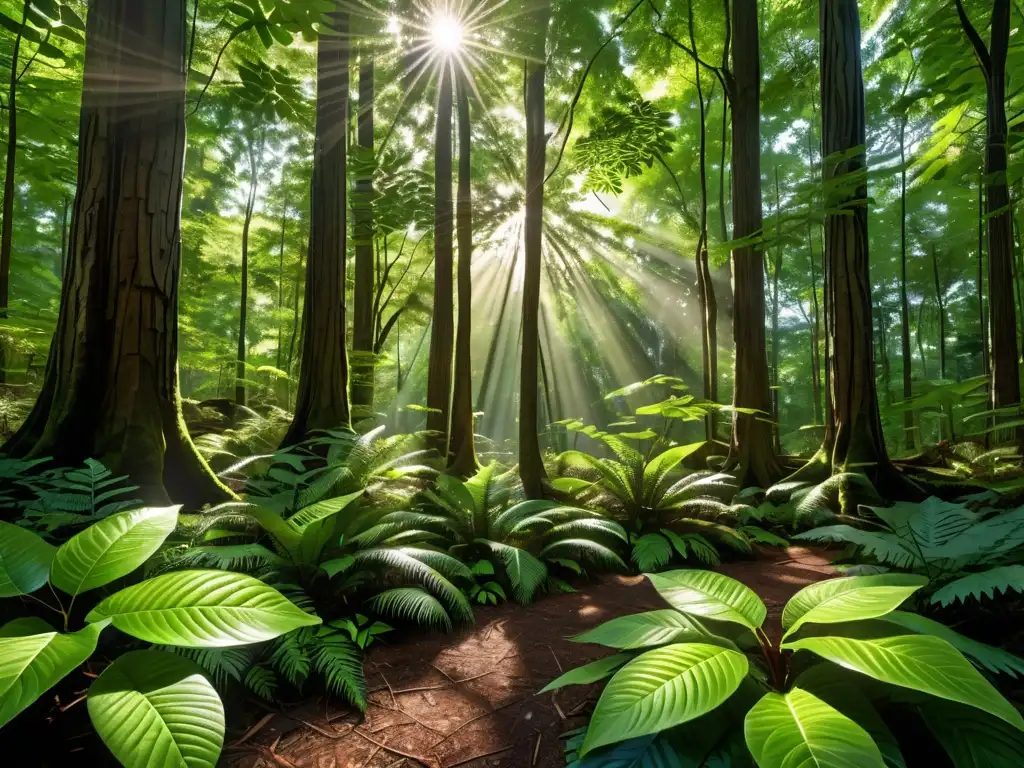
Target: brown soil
469	699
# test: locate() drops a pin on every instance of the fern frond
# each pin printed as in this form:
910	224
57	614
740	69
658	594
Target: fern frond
291	658
222	665
262	682
651	552
585	549
340	662
995	581
415	570
525	572
411	604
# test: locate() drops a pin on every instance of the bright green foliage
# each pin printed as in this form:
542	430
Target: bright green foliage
964	553
157	709
703	676
24	560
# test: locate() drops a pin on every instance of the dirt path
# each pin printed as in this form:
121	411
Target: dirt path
469	699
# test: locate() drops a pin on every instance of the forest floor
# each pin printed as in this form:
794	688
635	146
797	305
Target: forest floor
469	699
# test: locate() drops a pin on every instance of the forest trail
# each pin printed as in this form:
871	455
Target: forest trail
468	699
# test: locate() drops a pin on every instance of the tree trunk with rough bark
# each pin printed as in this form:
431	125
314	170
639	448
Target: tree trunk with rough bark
255	152
1005	373
322	399
908	360
110	390
439	365
462	450
752	455
531	465
363	358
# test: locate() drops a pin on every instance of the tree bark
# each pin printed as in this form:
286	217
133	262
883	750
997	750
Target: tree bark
363	358
279	356
110	390
65	215
752	455
941	303
462	451
908	361
7	227
1005	374
776	274
322	398
439	365
858	439
531	465
986	361
255	152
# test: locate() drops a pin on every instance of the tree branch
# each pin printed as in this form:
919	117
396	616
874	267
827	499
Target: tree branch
980	51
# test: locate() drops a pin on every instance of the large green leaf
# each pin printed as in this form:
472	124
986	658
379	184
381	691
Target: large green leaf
202	609
712	595
111	548
663	688
157	710
971	738
642	630
919	662
987	657
797	729
588	673
24	560
34	658
849	599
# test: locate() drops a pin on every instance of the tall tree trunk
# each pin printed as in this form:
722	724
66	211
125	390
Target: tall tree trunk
322	398
776	274
255	152
722	217
363	358
941	303
908	361
982	315
294	335
531	465
7	227
919	335
752	451
705	288
111	386
883	355
857	440
439	367
279	357
462	451
65	216
1005	378
815	308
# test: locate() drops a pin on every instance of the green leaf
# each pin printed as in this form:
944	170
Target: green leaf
25	560
157	710
994	581
525	572
919	662
588	673
641	630
338	565
111	548
849	599
651	551
987	657
663	688
712	595
971	738
799	729
31	664
202	609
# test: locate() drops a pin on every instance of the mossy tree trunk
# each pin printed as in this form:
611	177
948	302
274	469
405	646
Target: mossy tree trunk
322	399
363	358
752	455
110	390
531	464
439	361
462	449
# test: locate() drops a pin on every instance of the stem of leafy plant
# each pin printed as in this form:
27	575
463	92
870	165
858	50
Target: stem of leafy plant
770	658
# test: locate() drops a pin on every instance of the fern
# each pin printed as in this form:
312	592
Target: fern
412	604
340	662
262	682
223	665
990	583
291	658
411	568
73	498
651	552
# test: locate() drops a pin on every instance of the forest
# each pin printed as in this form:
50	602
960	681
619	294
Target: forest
528	383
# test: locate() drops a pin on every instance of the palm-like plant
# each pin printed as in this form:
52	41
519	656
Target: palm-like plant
965	553
484	521
666	512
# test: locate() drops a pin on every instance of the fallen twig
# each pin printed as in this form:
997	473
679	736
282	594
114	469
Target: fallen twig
481	716
393	750
536	749
255	729
479	757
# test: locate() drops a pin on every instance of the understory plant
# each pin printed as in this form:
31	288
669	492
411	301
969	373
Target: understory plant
704	680
965	553
147	704
483	521
667	513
